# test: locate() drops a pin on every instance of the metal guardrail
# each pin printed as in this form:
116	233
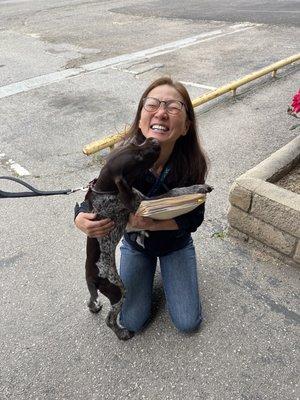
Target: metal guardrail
111	140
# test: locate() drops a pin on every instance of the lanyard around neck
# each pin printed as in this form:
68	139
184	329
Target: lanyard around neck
159	181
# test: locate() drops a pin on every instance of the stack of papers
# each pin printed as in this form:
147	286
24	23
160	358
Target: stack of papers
170	207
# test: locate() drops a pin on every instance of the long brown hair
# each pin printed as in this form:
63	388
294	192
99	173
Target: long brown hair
188	160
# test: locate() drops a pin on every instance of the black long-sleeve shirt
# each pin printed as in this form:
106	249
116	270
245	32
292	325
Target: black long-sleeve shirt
160	243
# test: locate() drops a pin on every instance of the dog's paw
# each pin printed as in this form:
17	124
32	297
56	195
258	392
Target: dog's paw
124	334
94	306
205	188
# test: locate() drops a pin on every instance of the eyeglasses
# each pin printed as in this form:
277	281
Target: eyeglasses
174	107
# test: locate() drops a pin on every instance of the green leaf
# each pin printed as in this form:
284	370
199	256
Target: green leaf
219	235
294	126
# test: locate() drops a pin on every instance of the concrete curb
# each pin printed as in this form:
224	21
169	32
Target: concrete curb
263	212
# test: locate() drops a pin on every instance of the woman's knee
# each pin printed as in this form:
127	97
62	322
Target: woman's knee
134	324
186	325
135	317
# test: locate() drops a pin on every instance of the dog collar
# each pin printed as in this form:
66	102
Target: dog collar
101	192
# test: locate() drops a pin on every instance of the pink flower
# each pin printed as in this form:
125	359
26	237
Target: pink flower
296	103
294	109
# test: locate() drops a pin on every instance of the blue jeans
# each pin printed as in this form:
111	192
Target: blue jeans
179	276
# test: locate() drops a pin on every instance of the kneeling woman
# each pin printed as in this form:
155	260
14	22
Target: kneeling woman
165	112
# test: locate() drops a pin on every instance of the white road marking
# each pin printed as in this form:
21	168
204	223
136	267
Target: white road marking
13	166
39	81
154	51
18	169
166	48
198	85
13	1
43	80
270	11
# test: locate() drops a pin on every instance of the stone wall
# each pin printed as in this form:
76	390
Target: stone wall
264	213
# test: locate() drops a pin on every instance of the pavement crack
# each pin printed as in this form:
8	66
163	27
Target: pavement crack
235	276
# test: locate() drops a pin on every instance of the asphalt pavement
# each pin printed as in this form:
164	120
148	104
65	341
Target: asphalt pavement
72	72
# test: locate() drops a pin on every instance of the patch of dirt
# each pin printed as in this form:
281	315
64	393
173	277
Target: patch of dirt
291	181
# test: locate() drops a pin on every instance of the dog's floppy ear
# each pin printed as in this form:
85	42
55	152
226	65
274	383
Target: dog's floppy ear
125	193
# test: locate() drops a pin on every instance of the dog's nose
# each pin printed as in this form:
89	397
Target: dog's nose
208	188
153	142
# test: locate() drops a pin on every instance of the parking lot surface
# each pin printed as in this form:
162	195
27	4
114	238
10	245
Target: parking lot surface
72	72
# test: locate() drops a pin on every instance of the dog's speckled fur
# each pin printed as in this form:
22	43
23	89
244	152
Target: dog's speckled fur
107	279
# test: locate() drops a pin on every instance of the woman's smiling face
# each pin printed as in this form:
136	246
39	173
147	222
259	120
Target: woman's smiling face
159	124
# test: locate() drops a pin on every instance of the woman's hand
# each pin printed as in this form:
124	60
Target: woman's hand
144	223
149	224
93	228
